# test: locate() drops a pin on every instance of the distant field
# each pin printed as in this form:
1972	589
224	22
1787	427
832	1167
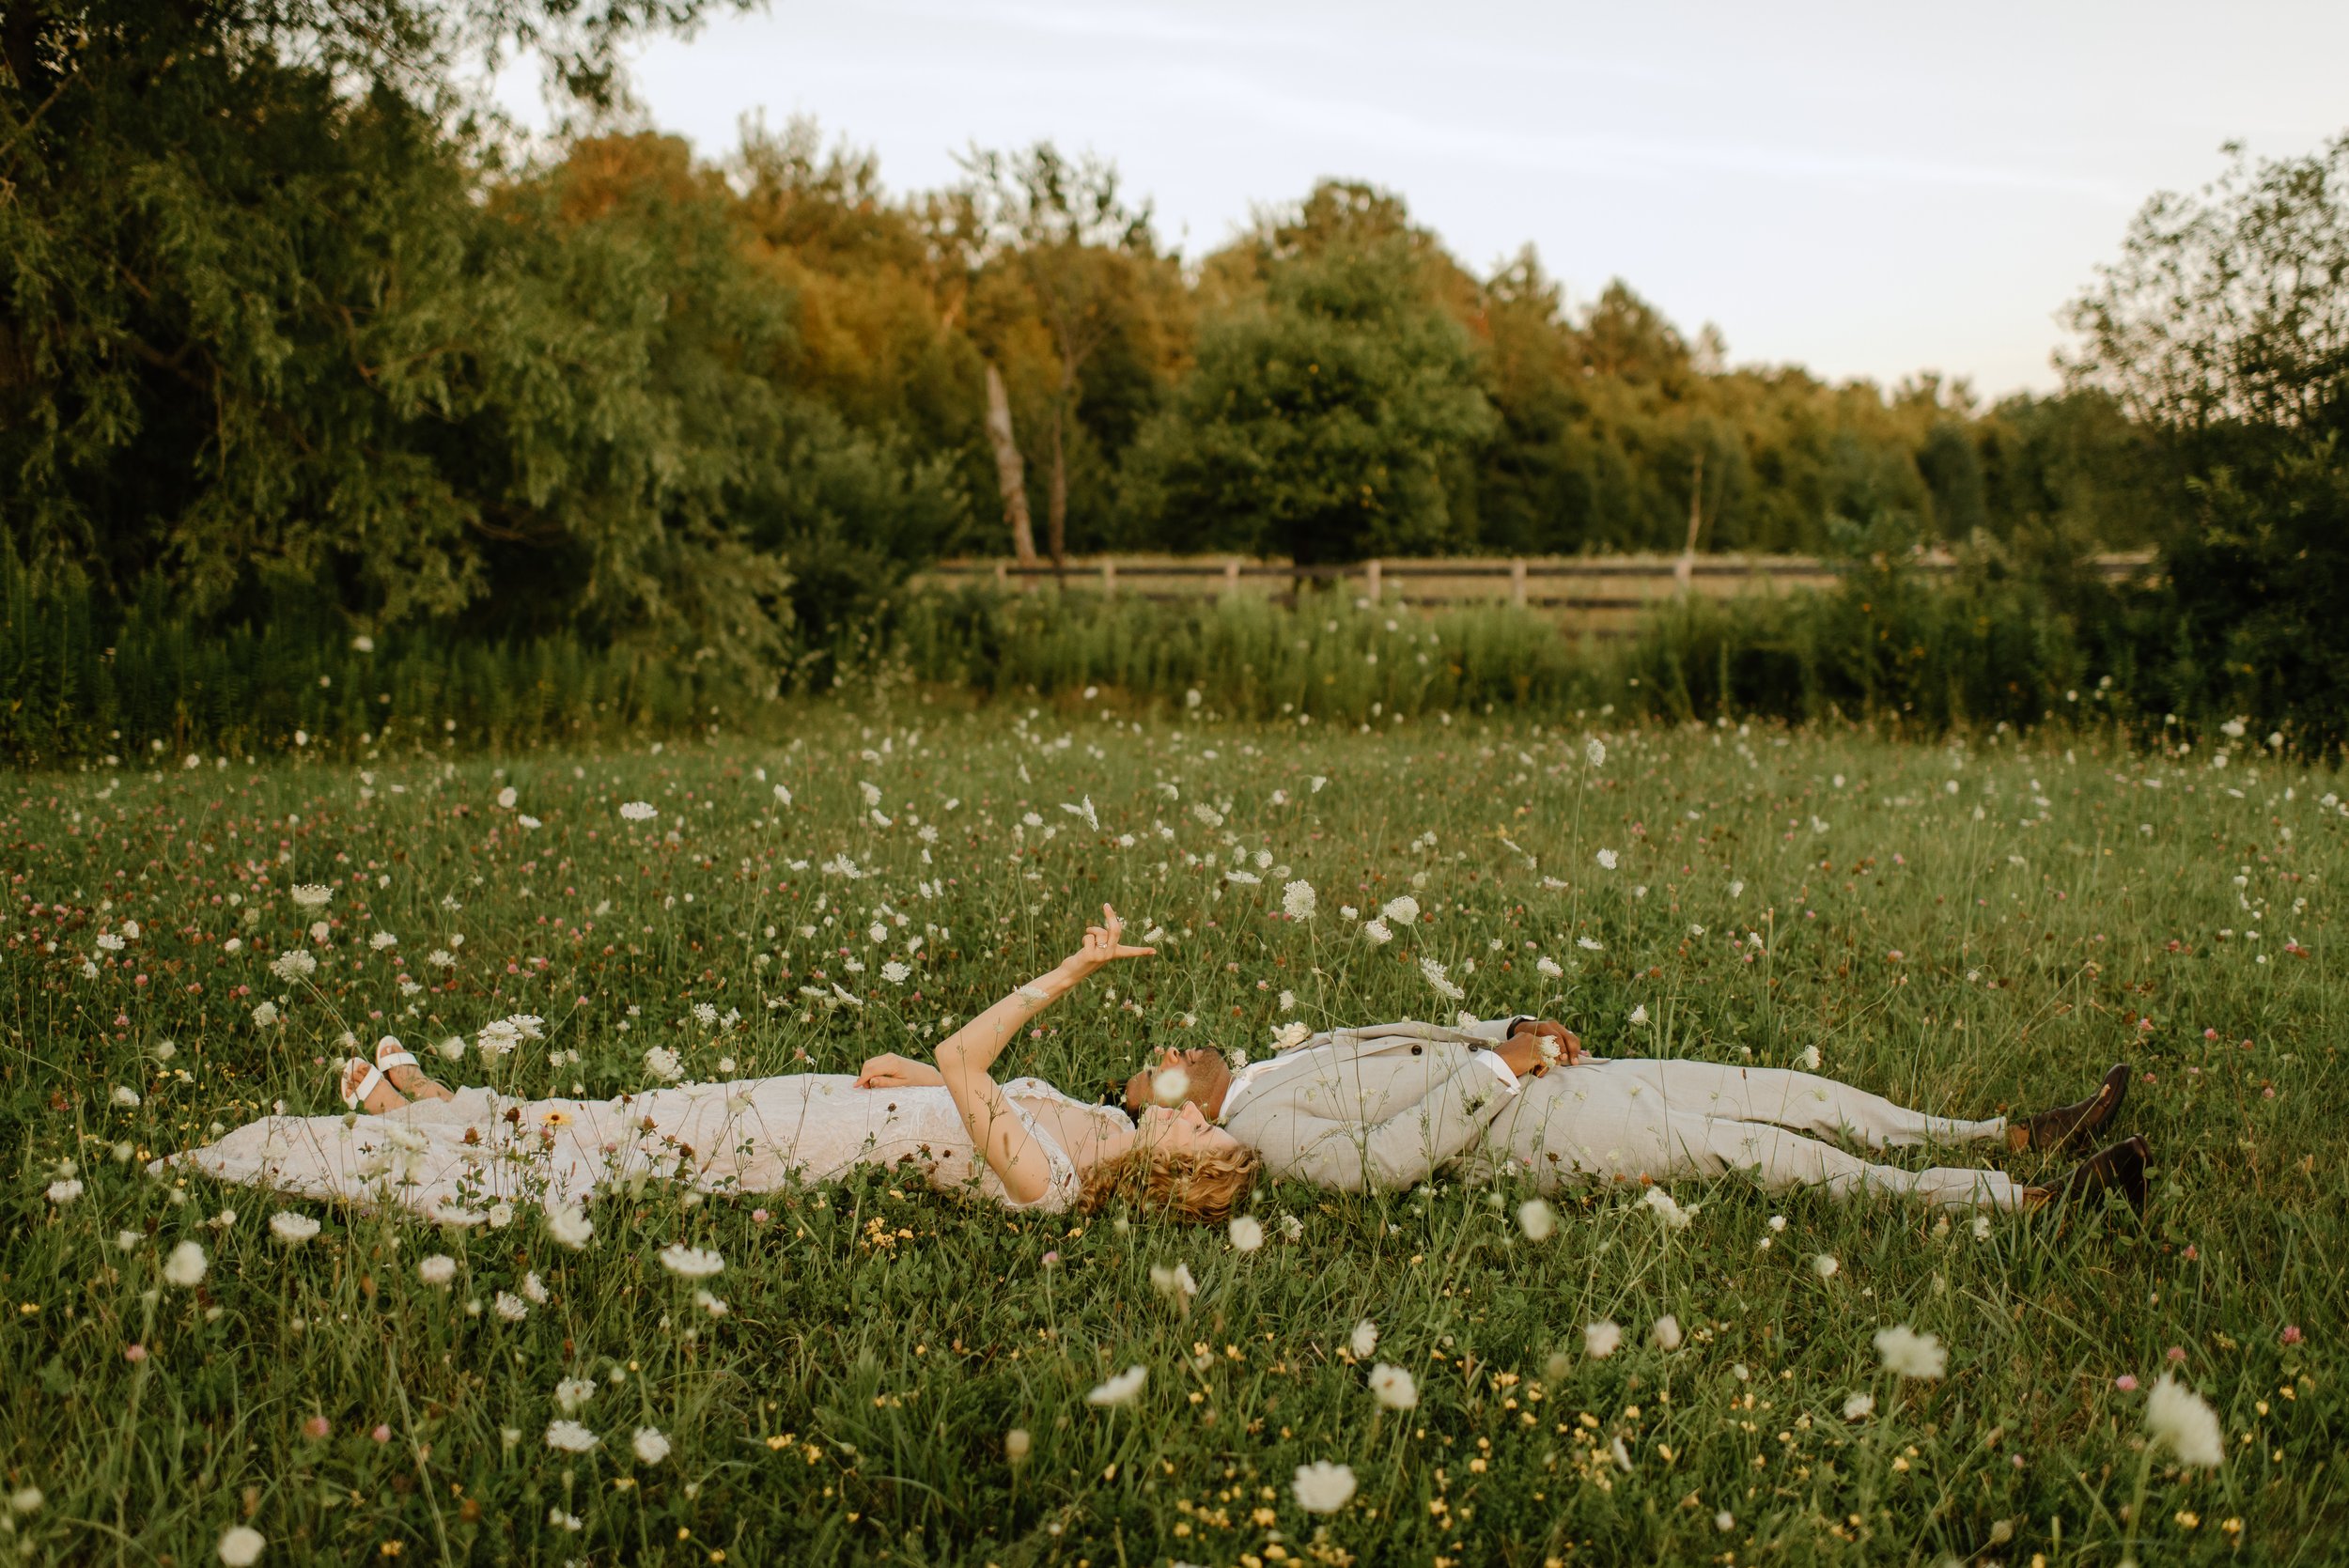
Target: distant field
1964	926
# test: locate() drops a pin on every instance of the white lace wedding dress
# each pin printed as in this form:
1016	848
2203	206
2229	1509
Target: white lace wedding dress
455	1160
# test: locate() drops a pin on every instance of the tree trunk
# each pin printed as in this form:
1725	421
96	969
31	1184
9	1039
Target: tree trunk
1011	476
1056	503
1686	569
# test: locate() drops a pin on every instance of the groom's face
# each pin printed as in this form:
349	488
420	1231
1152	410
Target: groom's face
1209	1076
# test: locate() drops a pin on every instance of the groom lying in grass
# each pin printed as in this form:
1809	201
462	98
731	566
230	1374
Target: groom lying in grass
1392	1105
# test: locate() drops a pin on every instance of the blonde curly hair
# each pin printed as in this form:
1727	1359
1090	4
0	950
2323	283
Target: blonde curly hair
1201	1185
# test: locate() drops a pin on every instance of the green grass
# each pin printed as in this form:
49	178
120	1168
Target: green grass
2053	913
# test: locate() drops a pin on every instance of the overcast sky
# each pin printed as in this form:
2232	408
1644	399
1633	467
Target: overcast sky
1870	190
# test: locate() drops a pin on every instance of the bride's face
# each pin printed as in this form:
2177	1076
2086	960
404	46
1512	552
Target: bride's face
1180	1129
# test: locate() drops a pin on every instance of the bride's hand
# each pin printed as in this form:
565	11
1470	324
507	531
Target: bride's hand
892	1071
1104	945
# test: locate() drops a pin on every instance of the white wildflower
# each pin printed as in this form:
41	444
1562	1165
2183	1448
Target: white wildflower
1441	982
1120	1390
639	810
1247	1232
1601	1340
1299	900
1537	1219
1322	1487
1392	1387
569	1438
1666	1332
695	1263
2176	1415
1909	1353
185	1267
650	1446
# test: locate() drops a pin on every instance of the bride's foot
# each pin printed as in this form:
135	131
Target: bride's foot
364	1088
399	1065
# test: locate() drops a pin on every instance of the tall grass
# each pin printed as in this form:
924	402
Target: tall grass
1996	645
1964	926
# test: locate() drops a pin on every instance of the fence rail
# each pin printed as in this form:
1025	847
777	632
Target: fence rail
1598	595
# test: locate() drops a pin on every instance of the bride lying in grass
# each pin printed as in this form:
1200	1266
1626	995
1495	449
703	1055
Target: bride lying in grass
455	1156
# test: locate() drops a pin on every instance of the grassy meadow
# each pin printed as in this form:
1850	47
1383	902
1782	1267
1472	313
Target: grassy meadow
897	1377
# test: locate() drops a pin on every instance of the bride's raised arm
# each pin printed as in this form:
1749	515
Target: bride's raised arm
965	1056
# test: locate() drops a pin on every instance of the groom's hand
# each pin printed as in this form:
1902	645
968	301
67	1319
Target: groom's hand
1523	1050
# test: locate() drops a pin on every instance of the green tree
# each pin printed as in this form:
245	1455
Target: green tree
1333	418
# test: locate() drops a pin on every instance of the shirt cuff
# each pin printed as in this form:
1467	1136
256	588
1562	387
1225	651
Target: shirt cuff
1500	1069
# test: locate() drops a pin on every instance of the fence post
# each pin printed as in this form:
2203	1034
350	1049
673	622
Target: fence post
1516	582
1371	583
1231	576
1108	577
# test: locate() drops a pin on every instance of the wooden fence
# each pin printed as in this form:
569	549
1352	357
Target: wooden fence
1600	595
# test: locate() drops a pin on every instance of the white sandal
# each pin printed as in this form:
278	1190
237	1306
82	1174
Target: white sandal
369	1081
391	1055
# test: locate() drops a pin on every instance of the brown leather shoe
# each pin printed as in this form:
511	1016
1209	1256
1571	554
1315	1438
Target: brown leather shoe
2069	1128
2119	1168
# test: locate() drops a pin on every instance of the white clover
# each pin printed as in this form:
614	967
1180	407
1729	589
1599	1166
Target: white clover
1602	1339
1825	1266
1394	1387
1666	1333
650	1446
506	798
241	1545
1120	1390
1537	1219
1247	1232
1860	1407
125	1097
1322	1487
512	1308
1168	1085
437	1270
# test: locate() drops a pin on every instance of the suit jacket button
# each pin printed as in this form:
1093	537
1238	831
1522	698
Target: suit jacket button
1414	1050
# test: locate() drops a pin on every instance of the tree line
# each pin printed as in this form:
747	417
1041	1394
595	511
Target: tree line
288	317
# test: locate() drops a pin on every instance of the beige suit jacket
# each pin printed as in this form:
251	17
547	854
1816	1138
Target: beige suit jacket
1383	1107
